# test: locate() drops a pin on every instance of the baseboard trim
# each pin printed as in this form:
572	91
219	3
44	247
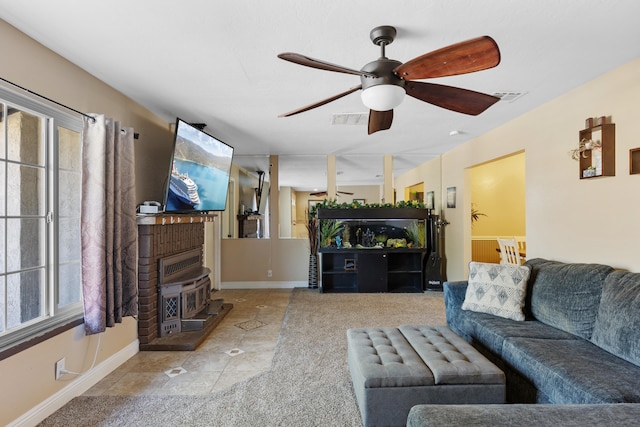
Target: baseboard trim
263	285
76	387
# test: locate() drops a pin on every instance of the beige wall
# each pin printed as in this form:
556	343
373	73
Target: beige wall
428	173
246	262
567	219
30	373
287	221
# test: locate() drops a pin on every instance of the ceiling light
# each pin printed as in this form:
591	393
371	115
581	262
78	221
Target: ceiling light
455	132
385	92
383	97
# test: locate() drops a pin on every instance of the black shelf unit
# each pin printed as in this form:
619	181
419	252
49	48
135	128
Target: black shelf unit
339	271
372	269
404	271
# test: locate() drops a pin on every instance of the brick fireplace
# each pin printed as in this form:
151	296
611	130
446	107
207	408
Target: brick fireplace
173	286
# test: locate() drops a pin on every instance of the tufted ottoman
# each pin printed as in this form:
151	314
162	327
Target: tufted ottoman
394	369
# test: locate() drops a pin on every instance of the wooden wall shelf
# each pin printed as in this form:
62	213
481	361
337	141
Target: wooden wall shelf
607	133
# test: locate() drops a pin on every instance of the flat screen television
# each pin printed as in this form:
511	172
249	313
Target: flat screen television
199	171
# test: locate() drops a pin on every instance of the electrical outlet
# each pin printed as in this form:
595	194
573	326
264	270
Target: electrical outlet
269	273
60	368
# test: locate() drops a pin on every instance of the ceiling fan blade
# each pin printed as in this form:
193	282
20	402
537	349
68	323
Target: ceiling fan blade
321	65
452	98
379	120
324	193
460	58
324	101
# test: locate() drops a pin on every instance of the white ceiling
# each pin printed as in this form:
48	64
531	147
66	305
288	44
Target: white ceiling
214	62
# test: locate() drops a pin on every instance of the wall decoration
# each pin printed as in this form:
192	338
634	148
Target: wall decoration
429	200
584	146
634	161
451	197
596	150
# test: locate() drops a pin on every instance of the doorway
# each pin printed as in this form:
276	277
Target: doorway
498	205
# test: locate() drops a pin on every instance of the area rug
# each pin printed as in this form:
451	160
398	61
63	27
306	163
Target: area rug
308	384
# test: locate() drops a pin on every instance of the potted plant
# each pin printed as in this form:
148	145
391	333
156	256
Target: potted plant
475	214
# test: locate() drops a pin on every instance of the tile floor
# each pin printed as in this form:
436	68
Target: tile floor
241	346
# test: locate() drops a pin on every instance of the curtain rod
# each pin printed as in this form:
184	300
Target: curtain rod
135	135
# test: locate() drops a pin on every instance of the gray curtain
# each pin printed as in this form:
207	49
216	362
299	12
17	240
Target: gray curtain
108	224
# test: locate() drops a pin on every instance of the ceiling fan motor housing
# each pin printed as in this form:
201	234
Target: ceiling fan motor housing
383	68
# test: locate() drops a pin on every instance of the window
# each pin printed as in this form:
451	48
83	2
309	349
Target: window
40	189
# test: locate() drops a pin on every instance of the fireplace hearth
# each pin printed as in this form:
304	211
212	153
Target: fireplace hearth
178	308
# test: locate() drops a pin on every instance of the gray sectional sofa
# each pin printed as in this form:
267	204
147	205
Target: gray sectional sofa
545	415
579	344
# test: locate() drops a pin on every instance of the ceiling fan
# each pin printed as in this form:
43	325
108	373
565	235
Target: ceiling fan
384	81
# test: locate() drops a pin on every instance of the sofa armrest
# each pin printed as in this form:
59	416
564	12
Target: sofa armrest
454	293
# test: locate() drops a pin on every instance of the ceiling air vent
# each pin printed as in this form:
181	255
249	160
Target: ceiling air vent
508	96
350	119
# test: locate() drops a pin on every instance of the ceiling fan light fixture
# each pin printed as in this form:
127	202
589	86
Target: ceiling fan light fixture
383	97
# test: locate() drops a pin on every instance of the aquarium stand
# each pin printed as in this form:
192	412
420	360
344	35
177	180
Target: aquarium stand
363	268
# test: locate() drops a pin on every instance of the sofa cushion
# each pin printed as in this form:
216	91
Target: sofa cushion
497	289
491	331
566	296
617	327
573	371
382	357
451	359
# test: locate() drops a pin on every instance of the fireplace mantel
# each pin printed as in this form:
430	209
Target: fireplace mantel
170	219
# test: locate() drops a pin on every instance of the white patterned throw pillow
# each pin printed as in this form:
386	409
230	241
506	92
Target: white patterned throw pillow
497	289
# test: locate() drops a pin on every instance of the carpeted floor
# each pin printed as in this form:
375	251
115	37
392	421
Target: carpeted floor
308	384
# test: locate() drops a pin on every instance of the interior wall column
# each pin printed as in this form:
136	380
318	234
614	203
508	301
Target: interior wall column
331	177
387	195
274	197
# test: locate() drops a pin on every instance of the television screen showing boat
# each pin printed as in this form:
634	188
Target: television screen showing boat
199	171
